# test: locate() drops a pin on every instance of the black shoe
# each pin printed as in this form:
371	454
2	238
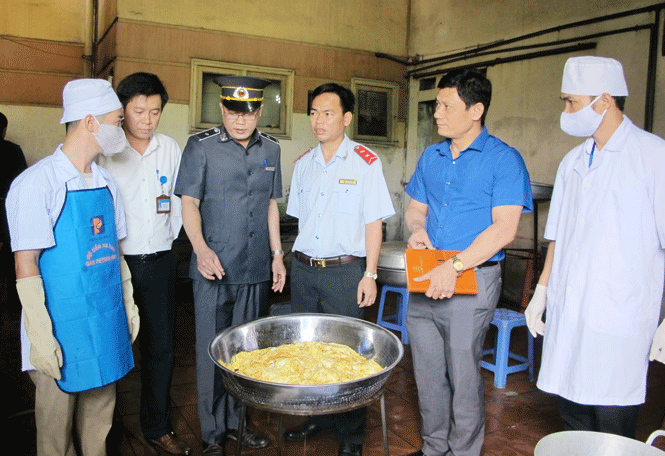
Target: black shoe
250	438
417	453
350	449
302	433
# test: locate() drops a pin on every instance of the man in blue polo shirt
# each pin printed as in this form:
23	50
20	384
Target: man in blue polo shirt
468	193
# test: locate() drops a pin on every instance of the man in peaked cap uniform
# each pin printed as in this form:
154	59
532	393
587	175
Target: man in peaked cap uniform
229	180
603	277
65	218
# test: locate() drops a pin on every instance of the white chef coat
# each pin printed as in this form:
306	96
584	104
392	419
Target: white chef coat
138	177
34	202
605	289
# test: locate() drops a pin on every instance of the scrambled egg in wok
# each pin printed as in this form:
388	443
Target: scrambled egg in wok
304	363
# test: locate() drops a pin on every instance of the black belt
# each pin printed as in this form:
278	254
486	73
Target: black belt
145	257
487	264
324	262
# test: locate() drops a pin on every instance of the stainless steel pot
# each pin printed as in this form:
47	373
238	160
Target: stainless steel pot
370	340
587	443
391	267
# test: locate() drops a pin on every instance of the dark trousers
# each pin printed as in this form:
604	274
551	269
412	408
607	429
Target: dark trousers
154	294
612	419
331	290
218	306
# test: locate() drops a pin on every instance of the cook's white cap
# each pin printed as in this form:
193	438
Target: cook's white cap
88	96
593	76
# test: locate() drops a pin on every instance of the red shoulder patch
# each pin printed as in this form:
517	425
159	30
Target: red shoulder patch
306	152
365	154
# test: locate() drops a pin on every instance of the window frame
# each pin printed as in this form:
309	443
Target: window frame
392	105
200	66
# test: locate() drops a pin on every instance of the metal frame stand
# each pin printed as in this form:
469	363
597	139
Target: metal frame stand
241	428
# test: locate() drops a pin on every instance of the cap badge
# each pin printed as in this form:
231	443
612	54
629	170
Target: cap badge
240	92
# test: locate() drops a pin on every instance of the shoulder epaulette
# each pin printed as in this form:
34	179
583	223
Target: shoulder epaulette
365	154
268	137
306	152
208	133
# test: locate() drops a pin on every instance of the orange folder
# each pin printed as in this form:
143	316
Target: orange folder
420	261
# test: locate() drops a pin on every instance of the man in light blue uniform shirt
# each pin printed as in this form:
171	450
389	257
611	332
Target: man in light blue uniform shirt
468	193
340	197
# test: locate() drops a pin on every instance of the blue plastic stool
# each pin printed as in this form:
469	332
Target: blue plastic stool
396	321
505	320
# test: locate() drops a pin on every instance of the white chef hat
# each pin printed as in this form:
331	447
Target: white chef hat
88	96
593	76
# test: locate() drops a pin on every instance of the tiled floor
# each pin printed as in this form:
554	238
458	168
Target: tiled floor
516	417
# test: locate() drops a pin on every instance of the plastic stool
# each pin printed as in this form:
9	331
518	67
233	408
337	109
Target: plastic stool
505	320
397	321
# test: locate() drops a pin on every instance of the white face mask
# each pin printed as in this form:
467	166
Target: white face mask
111	139
584	122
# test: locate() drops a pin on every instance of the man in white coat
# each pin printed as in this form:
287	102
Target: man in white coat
603	277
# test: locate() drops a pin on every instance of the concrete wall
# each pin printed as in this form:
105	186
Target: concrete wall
378	25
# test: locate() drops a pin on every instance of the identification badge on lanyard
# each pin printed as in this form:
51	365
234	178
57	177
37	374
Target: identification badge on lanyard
163	200
163	204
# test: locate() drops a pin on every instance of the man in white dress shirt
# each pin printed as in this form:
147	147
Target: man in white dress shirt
145	172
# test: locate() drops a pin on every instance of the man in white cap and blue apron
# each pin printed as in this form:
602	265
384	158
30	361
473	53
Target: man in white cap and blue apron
602	281
65	218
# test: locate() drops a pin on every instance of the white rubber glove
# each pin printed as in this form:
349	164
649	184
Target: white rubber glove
133	320
658	345
45	351
534	311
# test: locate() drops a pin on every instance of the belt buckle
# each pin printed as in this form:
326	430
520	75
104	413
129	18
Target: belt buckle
317	262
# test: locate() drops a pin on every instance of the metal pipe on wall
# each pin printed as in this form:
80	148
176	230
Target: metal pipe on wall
470	52
651	75
515	58
635	28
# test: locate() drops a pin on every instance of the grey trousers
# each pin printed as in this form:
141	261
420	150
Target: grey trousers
216	308
446	343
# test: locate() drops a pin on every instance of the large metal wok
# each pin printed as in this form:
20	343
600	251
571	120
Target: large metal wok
587	443
368	339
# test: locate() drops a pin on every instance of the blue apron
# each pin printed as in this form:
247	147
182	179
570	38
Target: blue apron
81	275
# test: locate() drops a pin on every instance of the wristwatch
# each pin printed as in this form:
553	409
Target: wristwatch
277	252
457	265
372	275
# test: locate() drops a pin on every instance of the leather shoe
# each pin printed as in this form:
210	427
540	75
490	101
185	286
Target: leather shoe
417	453
350	449
172	444
302	433
250	438
213	450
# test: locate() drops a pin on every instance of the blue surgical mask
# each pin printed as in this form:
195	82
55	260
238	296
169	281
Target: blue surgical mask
584	122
